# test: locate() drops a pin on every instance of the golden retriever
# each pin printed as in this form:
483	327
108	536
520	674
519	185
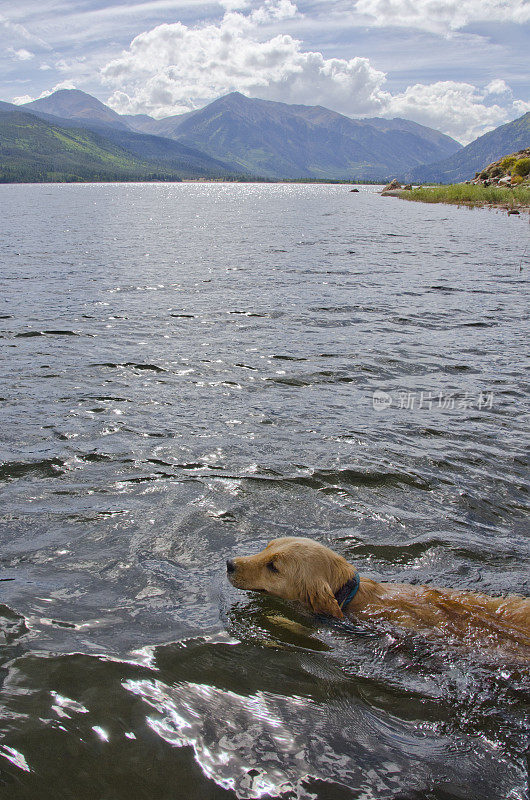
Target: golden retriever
296	568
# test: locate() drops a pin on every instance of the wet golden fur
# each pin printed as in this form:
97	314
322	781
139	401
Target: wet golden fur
296	568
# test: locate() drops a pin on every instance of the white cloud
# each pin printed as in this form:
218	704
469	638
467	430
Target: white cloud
16	31
269	9
274	10
498	87
450	106
234	5
21	55
441	16
521	107
174	68
23	98
26	98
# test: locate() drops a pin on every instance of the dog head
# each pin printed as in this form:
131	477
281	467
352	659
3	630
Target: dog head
294	568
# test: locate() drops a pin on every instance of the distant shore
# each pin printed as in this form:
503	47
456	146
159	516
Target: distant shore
243	180
516	199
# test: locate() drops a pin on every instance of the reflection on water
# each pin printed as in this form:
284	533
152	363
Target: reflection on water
268	744
188	372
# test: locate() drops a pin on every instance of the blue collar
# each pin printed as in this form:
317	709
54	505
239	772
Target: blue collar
347	592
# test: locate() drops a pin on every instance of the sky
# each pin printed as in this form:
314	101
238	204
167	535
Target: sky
460	66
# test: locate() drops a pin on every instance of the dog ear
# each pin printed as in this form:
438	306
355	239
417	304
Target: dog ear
323	601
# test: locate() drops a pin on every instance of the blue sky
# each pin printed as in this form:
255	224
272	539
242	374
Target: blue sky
461	67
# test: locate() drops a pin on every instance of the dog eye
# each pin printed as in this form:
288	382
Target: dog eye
272	566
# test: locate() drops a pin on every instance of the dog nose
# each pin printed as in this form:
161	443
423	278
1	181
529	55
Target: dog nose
230	566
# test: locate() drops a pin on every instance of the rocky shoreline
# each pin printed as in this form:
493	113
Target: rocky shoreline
469	194
503	185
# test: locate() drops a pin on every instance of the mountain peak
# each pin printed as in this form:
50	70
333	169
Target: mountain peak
75	104
234	96
71	93
232	99
67	97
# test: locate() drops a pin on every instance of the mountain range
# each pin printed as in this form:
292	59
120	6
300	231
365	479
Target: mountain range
42	147
71	135
270	140
277	140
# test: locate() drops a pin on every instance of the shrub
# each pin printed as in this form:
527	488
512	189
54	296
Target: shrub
508	162
496	171
484	174
522	167
516	179
472	195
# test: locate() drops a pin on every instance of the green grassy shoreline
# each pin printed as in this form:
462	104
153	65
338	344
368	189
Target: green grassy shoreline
472	195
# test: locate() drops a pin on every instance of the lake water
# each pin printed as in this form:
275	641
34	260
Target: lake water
189	371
